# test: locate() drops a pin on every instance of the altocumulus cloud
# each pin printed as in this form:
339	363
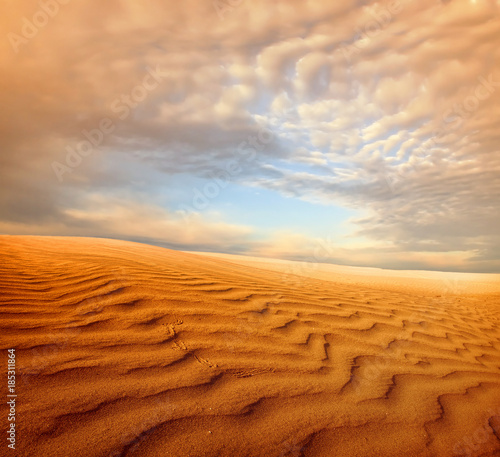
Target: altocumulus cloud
388	109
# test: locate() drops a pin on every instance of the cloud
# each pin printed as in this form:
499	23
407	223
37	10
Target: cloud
126	218
392	115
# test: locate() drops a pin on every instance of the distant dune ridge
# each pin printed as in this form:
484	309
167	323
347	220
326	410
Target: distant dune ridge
125	349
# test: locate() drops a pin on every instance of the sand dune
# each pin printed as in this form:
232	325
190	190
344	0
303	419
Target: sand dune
409	280
126	349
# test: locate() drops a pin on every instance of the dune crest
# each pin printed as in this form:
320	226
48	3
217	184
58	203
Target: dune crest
126	349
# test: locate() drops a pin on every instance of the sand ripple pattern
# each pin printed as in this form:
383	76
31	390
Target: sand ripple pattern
131	350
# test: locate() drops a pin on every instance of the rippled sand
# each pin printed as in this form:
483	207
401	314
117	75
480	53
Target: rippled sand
125	349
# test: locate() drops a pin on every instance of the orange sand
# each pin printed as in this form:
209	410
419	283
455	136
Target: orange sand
125	349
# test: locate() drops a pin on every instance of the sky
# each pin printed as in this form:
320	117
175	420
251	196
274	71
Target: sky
354	132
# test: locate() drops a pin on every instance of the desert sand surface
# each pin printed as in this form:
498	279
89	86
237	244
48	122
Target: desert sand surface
411	280
125	349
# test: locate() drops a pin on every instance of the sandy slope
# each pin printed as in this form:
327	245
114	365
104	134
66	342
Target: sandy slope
416	281
131	350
